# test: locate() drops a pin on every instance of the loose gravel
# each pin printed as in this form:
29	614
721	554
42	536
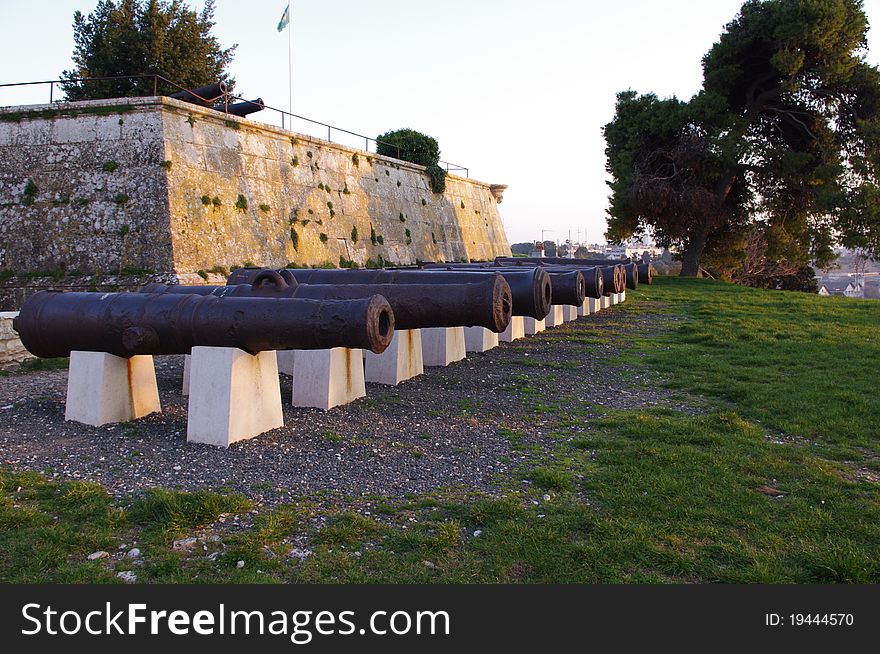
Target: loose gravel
449	428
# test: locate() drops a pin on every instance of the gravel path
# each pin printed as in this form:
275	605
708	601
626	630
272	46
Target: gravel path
448	428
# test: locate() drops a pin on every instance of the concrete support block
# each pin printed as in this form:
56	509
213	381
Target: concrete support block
285	361
533	326
615	298
605	302
324	379
233	395
442	345
516	329
103	388
623	296
402	359
594	304
187	363
569	313
479	339
584	309
554	318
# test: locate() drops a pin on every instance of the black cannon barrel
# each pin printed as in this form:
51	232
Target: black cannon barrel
54	323
593	282
628	271
484	303
646	273
568	286
631	275
244	108
204	96
530	288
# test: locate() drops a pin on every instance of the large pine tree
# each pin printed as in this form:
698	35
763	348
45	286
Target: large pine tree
144	37
783	138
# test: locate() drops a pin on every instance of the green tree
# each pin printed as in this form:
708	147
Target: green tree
783	138
144	37
410	145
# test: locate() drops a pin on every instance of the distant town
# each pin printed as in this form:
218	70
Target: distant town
853	275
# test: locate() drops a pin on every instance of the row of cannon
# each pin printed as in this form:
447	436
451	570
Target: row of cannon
301	309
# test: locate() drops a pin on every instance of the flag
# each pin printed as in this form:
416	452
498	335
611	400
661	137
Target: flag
285	18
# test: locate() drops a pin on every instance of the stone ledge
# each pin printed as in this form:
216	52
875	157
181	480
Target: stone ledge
12	352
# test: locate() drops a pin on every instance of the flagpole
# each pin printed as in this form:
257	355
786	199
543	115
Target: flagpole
289	66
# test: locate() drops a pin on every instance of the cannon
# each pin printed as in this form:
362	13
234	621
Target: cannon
632	275
54	323
593	282
568	286
204	96
613	275
244	108
530	289
646	273
485	302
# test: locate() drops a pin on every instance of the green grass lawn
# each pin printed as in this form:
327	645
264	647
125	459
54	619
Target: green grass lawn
770	476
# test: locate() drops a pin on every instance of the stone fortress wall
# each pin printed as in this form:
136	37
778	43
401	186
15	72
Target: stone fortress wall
115	193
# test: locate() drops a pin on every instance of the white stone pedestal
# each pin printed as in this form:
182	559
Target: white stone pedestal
327	378
554	318
569	313
442	345
233	395
103	388
402	359
187	363
516	329
595	304
533	326
615	298
605	302
285	361
479	339
623	297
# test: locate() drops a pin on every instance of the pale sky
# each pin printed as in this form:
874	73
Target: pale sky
516	91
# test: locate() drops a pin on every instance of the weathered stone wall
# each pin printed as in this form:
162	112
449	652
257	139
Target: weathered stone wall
82	189
12	351
297	189
106	194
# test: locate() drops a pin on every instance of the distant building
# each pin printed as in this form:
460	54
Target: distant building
847	288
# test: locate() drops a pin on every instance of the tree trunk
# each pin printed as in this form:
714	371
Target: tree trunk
693	252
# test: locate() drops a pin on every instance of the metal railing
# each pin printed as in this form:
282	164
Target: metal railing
449	167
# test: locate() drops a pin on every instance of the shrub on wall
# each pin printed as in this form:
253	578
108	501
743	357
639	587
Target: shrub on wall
415	147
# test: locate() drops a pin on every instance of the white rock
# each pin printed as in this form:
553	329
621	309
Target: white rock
127	576
94	556
133	553
300	553
184	543
240	564
478	532
546	498
429	564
